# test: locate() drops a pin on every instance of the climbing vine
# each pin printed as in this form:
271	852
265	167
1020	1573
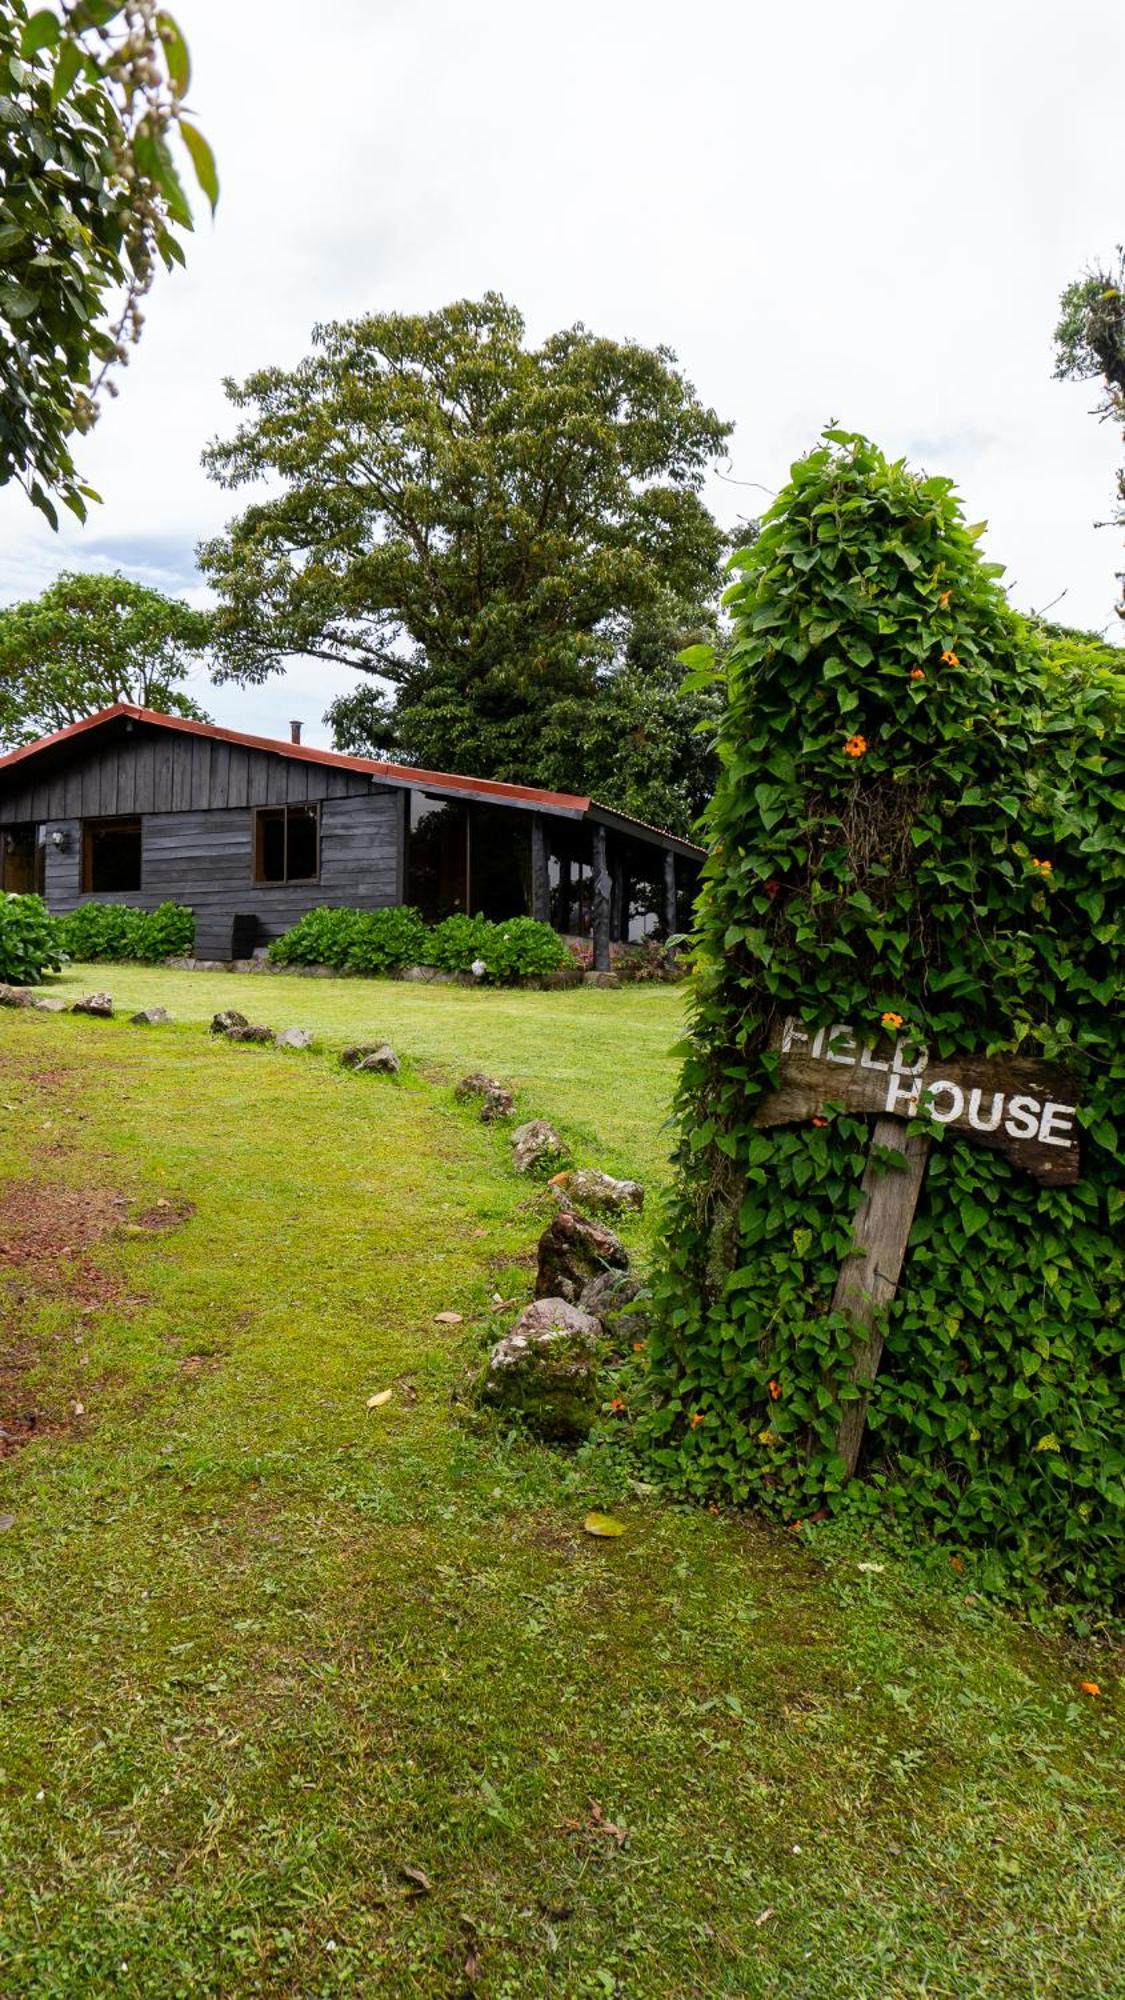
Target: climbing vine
914	831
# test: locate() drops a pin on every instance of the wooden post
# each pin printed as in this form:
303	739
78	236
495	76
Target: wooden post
566	898
616	899
867	1280
669	893
600	902
540	876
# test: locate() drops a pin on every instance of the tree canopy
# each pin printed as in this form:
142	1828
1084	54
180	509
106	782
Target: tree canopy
1090	342
87	642
479	526
90	202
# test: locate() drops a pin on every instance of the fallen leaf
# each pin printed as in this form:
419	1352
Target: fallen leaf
1088	1687
603	1825
603	1524
765	1915
419	1881
376	1402
7	1521
872	1569
448	1319
79	1409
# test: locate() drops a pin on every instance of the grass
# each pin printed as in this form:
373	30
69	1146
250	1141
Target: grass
262	1650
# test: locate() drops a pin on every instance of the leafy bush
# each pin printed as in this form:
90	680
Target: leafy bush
353	940
523	948
456	943
915	817
110	933
29	941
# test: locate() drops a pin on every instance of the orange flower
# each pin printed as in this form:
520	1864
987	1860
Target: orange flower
855	746
892	1020
619	1406
1042	867
1088	1687
639	1346
775	1391
943	600
949	659
695	1419
916	674
772	889
820	1121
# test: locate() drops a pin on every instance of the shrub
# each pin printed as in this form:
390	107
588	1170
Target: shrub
915	816
29	941
456	943
110	933
353	940
523	948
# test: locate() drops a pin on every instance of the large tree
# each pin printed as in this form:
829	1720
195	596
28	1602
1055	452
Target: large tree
1090	342
87	642
477	526
90	203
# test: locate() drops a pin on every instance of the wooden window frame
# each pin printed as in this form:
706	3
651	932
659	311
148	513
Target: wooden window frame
90	827
296	882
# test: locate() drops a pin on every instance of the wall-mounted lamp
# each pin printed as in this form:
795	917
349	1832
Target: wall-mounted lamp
60	839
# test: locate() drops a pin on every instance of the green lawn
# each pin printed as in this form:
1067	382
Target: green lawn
262	1649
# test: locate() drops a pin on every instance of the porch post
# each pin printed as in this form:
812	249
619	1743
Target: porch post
601	897
669	892
540	878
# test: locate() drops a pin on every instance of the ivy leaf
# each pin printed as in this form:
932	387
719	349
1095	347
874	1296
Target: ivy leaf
203	160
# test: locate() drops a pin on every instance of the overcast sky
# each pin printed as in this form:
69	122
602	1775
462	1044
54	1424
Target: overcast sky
862	213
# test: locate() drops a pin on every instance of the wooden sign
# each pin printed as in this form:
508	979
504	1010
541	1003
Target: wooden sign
1026	1109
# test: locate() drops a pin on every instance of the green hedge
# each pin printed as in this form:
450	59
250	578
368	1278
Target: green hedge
29	941
392	939
915	819
113	932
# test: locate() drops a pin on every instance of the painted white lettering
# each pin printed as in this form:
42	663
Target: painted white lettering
1022	1121
996	1111
791	1032
842	1047
956	1101
818	1043
869	1060
907	1093
917	1055
1056	1123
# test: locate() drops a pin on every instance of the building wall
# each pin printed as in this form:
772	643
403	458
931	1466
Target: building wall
196	802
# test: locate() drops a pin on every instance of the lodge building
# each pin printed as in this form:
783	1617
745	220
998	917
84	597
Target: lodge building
131	806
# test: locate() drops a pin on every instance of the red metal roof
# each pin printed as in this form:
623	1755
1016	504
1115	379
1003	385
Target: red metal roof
307	753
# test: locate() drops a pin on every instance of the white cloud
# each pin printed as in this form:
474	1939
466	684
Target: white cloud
859	213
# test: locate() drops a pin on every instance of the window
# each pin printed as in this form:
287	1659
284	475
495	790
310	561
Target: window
437	856
287	844
111	856
21	861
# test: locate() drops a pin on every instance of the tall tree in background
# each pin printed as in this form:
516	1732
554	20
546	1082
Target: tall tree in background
90	202
1090	342
87	642
481	528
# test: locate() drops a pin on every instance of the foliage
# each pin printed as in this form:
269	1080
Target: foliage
955	869
29	941
115	932
90	200
477	523
353	940
89	641
389	940
1090	341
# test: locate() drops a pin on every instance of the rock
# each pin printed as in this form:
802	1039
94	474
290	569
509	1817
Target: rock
587	1189
150	1017
353	1055
250	1032
612	1297
546	1369
295	1038
98	1004
600	979
48	1004
383	1060
536	1145
221	1024
14	996
572	1252
498	1103
476	1085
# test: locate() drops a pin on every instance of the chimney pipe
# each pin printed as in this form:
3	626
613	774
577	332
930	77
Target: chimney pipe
294	732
